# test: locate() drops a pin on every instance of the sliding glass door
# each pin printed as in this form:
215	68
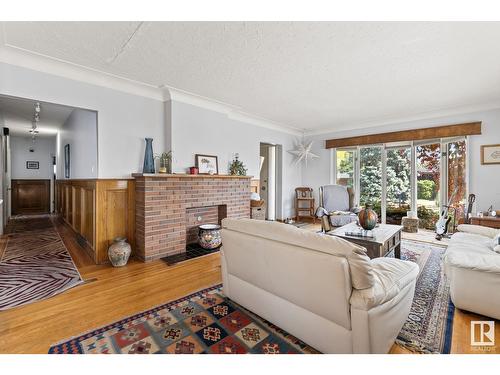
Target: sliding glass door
428	183
398	183
396	178
346	165
456	163
370	178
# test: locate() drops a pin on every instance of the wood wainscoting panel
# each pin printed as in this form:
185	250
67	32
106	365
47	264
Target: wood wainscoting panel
98	211
88	217
116	218
30	196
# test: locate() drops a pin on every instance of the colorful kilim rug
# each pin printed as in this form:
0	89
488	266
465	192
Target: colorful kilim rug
429	326
35	264
203	322
208	322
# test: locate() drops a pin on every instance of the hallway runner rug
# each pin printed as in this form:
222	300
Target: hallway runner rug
208	322
35	264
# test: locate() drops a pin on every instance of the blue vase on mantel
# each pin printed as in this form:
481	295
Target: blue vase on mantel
149	161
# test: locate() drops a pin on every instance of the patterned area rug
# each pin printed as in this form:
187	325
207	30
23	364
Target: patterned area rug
429	326
208	322
35	264
203	322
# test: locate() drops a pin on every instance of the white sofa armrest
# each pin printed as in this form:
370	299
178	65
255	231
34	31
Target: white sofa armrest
391	276
473	262
478	229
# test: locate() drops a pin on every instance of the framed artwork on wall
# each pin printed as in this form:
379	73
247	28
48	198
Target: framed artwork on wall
206	164
490	154
32	164
67	161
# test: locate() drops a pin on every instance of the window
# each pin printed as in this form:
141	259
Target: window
370	177
345	167
398	184
428	184
396	178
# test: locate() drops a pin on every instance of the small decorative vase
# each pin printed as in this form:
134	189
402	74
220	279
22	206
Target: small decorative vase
209	236
367	218
149	161
119	252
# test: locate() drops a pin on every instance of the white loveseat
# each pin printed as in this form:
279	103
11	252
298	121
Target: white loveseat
322	289
473	269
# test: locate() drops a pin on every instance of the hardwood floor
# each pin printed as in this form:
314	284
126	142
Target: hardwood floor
114	293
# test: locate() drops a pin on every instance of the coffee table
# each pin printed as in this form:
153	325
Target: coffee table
386	237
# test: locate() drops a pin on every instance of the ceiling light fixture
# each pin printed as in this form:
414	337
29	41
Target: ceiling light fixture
36	119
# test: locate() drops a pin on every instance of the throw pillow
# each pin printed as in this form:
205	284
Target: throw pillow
496	241
497	249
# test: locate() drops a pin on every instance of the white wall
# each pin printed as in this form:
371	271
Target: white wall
198	130
124	120
80	132
484	179
44	149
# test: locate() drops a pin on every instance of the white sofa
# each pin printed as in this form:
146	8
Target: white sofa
473	269
322	289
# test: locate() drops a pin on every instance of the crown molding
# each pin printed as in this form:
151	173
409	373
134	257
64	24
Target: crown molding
16	56
455	111
233	112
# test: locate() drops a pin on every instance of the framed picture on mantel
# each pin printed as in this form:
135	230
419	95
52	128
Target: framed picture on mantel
206	164
490	154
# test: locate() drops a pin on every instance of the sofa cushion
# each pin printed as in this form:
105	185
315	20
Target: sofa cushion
472	241
359	263
341	220
479	230
391	276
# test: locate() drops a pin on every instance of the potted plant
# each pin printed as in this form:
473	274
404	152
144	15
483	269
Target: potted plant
236	167
165	159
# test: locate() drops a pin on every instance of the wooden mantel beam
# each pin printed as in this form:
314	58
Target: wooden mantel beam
472	128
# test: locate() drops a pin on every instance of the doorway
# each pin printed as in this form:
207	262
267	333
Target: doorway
270	179
30	197
42	142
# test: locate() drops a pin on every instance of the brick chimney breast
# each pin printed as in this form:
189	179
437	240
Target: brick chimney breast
168	207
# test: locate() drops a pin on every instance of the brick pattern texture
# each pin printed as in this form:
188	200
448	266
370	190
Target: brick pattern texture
166	207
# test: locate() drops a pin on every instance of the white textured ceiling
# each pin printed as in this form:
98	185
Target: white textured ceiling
307	75
18	116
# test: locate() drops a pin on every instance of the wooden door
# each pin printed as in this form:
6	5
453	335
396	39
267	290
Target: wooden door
30	197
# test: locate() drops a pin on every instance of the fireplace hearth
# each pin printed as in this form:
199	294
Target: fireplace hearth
193	251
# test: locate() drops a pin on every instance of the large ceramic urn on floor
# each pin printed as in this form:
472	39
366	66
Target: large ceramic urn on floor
119	252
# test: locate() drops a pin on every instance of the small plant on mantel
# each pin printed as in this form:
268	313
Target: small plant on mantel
236	167
165	159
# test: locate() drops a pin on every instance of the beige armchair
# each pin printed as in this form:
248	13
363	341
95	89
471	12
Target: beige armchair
337	202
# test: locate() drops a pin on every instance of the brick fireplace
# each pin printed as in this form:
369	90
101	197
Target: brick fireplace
169	209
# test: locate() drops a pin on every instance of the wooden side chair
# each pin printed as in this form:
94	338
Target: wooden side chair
304	204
